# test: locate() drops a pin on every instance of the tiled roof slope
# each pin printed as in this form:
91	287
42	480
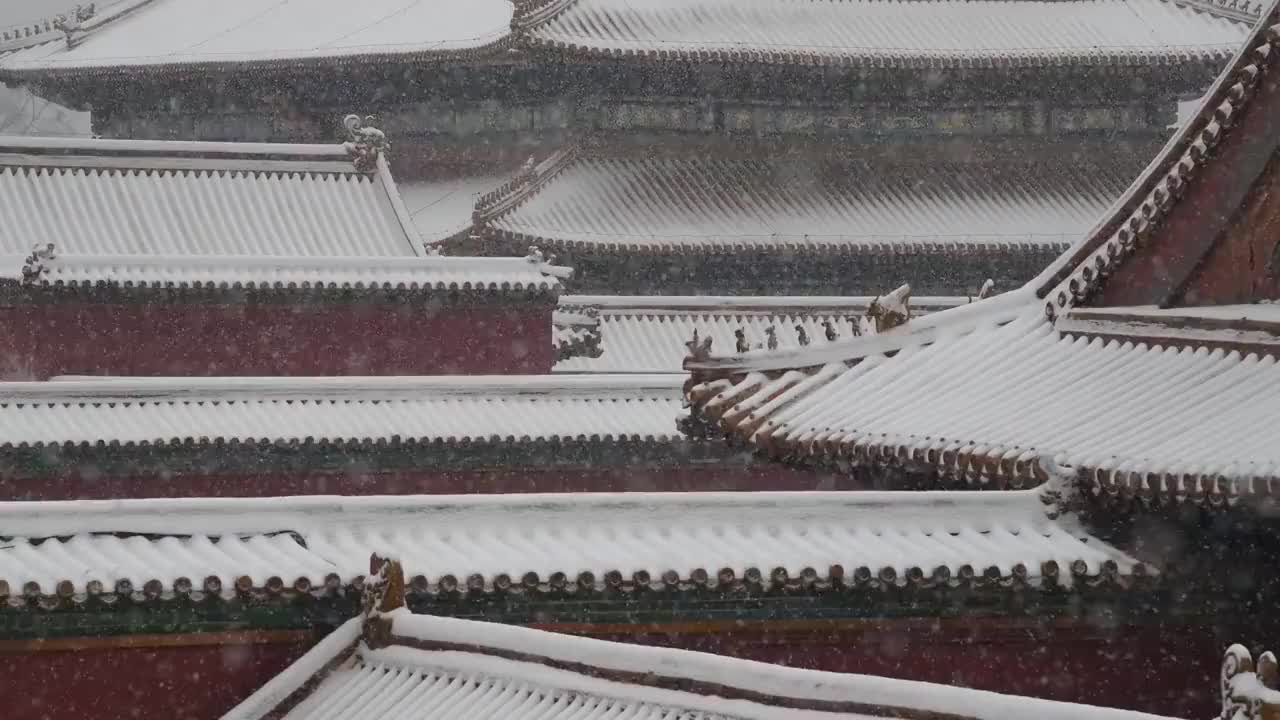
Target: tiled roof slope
995	399
404	665
879	33
189	33
295	273
867	540
170	34
123	197
649	333
995	392
172	411
202	214
716	202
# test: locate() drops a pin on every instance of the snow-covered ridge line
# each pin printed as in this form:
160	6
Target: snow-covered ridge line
771	303
443	263
229	516
294	677
645	702
72	389
883	540
281	271
24	143
925	329
755	677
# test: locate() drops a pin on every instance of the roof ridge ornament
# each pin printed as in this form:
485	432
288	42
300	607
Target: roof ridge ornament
1248	690
365	143
36	265
70	23
699	348
890	311
384	593
547	263
1241	10
38	32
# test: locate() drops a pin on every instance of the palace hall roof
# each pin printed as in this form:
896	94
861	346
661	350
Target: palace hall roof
715	200
167	34
87	212
1167	402
63	553
649	333
90	412
394	662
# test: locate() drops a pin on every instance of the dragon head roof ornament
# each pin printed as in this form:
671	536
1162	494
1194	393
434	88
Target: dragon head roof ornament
69	22
36	265
364	142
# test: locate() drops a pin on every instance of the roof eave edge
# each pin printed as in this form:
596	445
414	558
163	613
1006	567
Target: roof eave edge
410	230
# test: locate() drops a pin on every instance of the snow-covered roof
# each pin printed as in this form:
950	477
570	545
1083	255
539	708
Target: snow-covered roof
984	33
149	34
172	411
648	333
442	208
594	541
997	398
995	392
721	199
125	197
203	214
400	664
185	33
364	272
575	332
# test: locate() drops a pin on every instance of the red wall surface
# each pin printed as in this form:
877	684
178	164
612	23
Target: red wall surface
319	338
599	478
183	683
1163	670
1171	671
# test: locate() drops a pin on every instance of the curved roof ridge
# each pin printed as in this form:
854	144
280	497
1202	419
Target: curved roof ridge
151	148
526	184
1239	10
531	14
234	515
925	329
91	389
1140	208
881	696
746	302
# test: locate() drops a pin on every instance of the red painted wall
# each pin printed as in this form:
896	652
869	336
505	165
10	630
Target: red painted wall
1164	670
196	339
1243	266
1171	671
182	683
502	480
